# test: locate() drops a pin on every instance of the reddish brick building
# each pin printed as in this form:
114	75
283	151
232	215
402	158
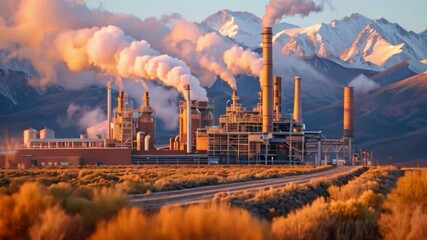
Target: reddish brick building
27	157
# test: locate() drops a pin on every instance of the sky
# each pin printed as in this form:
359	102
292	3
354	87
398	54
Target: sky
410	14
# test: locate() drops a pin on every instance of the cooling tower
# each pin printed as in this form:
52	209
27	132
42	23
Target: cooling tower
348	113
297	100
267	81
277	103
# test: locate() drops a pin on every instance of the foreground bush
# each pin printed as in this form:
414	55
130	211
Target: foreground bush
350	212
58	212
273	202
311	222
194	222
406	208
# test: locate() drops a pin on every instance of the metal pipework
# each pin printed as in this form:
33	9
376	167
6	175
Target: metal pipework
189	133
277	89
146	99
348	113
267	81
297	100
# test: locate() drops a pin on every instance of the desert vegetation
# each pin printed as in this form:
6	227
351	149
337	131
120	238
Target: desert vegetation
348	212
405	209
142	179
361	207
273	202
56	212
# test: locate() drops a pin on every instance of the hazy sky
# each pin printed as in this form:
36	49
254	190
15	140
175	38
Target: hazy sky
410	14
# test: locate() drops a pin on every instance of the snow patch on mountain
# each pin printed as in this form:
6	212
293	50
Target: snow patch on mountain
324	40
243	27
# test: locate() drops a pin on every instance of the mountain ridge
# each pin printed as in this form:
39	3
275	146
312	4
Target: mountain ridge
375	43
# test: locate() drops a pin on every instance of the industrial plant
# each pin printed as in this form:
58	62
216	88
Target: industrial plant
261	135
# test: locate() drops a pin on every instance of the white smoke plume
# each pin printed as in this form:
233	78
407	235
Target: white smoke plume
92	120
209	54
363	84
240	61
44	20
276	9
162	100
110	50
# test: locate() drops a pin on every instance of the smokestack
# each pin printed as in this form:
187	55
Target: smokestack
189	133
277	103
267	81
109	110
234	98
297	100
348	113
146	99
120	101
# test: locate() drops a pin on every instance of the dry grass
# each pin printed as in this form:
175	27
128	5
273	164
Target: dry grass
311	222
270	203
406	208
58	212
142	179
193	222
351	212
63	211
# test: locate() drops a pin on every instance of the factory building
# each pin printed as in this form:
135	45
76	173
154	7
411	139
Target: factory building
261	135
132	128
201	117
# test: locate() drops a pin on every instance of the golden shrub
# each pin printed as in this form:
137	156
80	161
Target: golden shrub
193	222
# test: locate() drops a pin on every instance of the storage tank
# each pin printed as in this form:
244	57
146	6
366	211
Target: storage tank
147	143
47	133
28	135
139	137
207	116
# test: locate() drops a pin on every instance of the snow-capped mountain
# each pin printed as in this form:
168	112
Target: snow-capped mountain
384	44
354	41
243	27
324	40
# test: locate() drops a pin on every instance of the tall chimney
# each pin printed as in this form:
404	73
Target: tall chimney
146	99
348	113
189	133
297	100
234	98
277	103
267	81
120	101
109	110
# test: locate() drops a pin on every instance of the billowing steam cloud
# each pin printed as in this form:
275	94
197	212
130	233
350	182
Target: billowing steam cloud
110	50
363	84
276	9
92	120
163	100
240	61
209	54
